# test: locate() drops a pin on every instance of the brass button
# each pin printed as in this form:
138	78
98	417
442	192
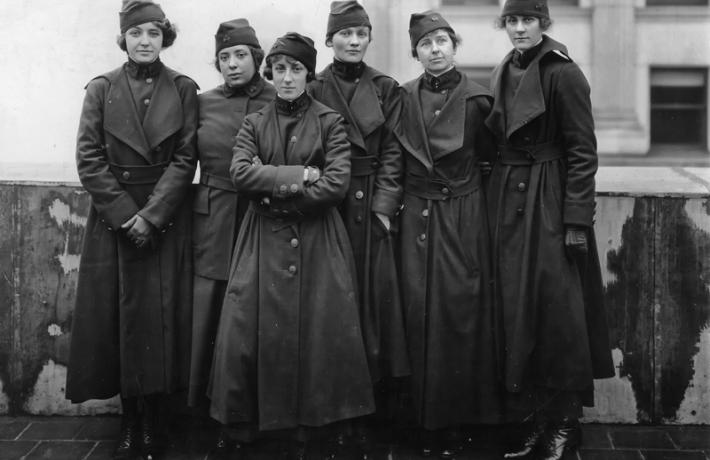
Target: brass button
359	195
522	187
294	188
357	80
293	138
425	213
358	219
292	269
422	237
520	210
149	80
294	243
445	190
283	189
126	175
146	101
437	112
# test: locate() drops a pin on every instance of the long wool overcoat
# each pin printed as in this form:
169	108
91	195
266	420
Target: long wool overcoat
445	259
554	331
217	214
130	330
375	186
289	349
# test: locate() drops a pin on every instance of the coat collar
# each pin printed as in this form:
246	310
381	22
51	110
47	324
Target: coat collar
446	131
163	118
529	99
362	114
252	89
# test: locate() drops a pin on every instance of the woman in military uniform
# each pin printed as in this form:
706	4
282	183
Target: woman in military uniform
554	338
136	159
444	240
289	353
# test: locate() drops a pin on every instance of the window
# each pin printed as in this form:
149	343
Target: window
676	2
679	106
481	75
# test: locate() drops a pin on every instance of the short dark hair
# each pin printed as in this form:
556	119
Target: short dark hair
256	53
269	71
455	39
545	23
168	29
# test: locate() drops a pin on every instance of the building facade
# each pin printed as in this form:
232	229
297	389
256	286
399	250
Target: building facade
646	60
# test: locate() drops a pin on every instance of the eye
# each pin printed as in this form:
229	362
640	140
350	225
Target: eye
241	56
154	33
223	57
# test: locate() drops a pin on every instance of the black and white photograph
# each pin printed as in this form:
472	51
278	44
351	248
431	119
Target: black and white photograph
355	230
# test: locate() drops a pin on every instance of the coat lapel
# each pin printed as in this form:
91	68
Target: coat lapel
272	147
162	120
121	118
366	112
496	119
336	100
446	131
411	132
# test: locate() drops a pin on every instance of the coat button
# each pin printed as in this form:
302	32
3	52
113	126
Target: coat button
359	195
520	210
158	148
445	190
292	269
126	175
146	101
294	188
294	243
149	80
522	187
425	213
358	219
294	138
283	189
422	237
437	112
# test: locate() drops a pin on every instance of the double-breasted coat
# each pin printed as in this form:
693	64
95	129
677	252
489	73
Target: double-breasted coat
552	322
375	187
130	329
444	256
289	349
217	214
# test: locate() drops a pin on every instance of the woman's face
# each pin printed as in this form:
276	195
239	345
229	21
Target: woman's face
350	45
144	42
237	65
524	31
436	52
289	77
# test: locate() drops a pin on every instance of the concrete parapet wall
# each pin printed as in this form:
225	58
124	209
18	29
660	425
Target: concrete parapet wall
653	232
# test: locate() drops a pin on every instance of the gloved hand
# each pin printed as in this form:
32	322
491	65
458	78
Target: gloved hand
486	167
576	241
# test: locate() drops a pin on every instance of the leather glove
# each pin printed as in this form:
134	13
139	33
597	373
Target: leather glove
486	167
576	241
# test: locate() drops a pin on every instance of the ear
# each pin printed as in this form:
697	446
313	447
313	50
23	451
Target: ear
329	42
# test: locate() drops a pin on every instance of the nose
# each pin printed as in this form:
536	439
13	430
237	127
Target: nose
144	39
519	27
232	62
434	48
288	76
354	41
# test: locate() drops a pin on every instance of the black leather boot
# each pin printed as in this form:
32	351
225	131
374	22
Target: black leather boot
128	438
532	437
559	439
148	436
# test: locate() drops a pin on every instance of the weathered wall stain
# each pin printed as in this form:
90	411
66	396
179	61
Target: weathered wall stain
682	284
73	225
630	303
695	408
614	400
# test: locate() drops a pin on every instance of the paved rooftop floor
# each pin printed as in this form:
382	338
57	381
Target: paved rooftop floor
84	438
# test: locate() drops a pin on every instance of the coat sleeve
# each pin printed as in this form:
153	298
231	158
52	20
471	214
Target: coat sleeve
574	111
388	180
261	180
113	204
169	193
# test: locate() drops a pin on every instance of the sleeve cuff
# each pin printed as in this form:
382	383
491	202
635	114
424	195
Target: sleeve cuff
386	202
581	214
289	182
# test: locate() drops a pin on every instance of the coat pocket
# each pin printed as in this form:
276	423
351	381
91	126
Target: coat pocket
201	203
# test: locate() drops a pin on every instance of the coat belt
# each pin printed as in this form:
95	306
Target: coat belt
218	182
141	174
439	189
364	166
529	154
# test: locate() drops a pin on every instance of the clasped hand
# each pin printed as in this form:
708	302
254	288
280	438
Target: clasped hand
139	231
